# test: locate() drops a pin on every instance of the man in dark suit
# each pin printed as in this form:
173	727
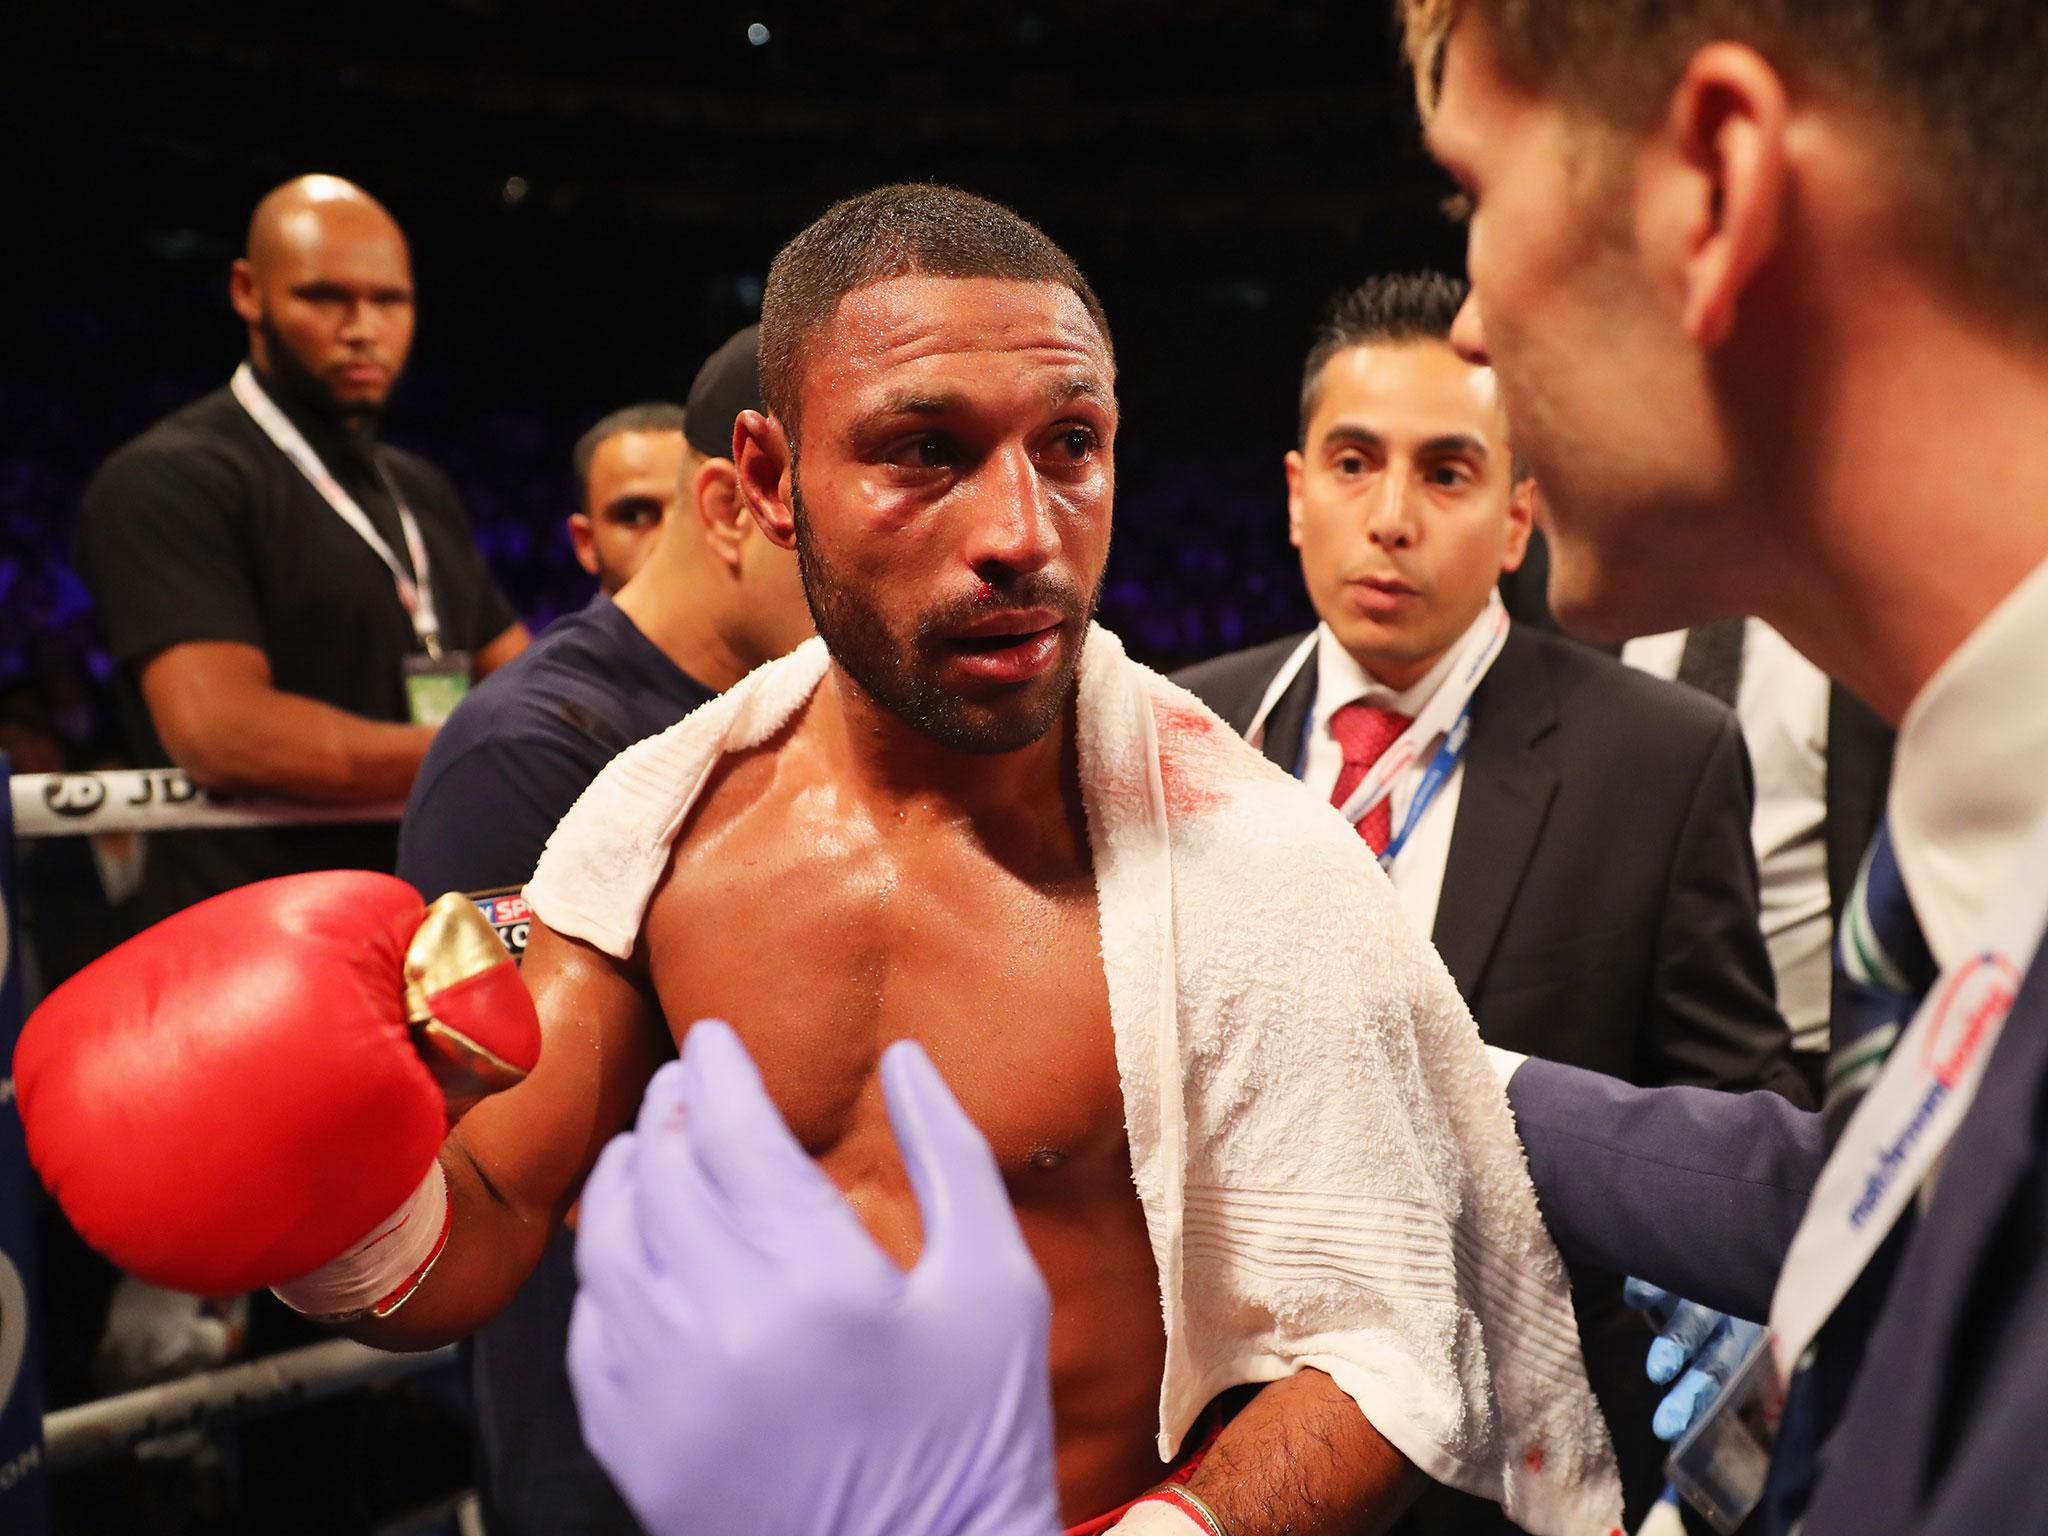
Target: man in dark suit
1719	270
1821	759
1585	866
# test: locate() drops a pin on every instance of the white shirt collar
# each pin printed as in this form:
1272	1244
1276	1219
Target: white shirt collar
1970	779
1340	680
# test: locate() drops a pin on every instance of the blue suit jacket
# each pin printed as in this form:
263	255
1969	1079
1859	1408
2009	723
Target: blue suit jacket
1946	1429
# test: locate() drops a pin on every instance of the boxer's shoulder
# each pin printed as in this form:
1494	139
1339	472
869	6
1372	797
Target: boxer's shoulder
604	861
751	800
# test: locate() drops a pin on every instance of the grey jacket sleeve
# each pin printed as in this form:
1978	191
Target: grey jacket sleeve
1695	1190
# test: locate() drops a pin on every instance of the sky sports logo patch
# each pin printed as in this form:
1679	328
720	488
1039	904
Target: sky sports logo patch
507	912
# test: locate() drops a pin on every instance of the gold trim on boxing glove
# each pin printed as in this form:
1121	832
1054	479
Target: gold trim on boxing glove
452	944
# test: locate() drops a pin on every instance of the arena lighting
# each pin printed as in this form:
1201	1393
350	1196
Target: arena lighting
757	33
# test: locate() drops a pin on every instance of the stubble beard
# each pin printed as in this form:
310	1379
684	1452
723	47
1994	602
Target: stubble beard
902	672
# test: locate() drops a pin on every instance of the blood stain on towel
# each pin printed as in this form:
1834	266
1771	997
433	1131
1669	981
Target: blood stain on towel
1187	753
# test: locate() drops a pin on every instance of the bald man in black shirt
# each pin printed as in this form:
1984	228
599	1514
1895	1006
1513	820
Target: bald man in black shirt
294	604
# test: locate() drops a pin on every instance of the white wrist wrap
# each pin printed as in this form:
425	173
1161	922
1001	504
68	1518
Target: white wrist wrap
1156	1517
376	1273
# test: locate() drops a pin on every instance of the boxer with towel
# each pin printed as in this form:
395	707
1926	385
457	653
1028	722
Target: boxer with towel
963	817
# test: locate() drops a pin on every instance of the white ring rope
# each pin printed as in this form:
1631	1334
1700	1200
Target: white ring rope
156	800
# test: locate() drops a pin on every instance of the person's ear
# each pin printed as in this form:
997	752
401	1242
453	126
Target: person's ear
583	539
722	511
242	291
1722	205
1296	467
765	481
1521	521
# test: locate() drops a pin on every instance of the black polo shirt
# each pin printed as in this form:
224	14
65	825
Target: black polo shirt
201	529
502	772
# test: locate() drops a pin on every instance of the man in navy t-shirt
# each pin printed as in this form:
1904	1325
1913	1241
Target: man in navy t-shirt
713	601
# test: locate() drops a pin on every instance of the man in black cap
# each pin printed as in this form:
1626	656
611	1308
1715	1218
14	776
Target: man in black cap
712	601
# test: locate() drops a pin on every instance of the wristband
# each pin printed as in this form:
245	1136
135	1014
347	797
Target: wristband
1170	1510
374	1277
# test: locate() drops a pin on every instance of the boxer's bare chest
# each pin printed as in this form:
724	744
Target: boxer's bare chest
822	932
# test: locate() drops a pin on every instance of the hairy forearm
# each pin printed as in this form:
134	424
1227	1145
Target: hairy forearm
1301	1460
272	742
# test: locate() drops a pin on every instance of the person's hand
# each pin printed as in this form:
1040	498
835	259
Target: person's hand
1705	1345
746	1360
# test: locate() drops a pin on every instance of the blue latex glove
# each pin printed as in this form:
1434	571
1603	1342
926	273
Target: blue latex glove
746	1360
1704	1344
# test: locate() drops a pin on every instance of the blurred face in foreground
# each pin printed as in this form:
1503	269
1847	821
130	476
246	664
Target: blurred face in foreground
1604	372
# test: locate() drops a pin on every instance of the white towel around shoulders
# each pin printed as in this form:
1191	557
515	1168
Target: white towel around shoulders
1328	1168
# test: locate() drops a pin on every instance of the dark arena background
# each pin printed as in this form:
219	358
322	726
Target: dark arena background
593	190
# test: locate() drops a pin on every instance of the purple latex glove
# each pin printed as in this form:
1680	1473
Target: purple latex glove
745	1359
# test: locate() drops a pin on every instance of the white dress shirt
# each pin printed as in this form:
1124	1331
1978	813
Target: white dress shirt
1418	874
1970	778
1782	704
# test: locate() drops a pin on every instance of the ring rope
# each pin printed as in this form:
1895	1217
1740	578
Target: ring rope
157	800
166	800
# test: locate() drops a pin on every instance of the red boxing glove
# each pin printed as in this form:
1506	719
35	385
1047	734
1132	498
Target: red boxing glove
237	1095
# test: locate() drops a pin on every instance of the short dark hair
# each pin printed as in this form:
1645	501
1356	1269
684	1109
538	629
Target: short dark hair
1383	311
896	231
653	416
1951	90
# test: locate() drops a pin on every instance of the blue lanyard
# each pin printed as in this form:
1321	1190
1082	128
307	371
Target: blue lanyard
1434	777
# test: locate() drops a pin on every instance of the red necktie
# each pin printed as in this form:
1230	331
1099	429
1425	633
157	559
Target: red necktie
1364	732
